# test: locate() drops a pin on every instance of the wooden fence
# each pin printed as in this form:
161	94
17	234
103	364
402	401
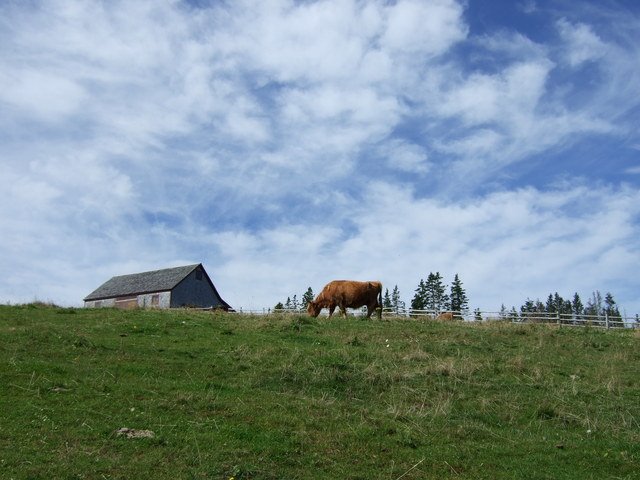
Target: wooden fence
564	320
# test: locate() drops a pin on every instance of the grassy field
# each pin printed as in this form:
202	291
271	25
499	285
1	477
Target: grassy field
289	397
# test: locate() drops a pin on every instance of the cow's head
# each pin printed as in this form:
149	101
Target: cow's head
313	309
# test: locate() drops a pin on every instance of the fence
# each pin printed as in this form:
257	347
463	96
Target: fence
568	320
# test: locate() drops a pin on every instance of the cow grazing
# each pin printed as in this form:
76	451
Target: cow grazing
445	316
347	294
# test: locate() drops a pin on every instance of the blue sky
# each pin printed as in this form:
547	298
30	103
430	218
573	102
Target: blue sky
284	144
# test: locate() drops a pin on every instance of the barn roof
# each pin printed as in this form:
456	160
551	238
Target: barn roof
145	282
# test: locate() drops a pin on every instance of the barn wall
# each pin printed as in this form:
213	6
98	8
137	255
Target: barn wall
147	300
107	302
155	300
194	292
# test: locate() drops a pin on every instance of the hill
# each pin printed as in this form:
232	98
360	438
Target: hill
213	395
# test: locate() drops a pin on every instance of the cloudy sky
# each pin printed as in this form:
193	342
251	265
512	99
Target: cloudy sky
287	143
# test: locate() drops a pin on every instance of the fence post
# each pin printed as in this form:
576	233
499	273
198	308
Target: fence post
606	319
558	318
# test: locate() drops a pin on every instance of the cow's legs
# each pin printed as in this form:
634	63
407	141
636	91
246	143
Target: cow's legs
343	311
372	308
332	308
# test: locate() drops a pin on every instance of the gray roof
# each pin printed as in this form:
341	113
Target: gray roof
145	282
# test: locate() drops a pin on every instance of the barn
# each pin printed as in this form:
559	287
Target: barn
187	286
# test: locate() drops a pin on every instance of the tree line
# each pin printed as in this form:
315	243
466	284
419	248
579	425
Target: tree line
433	295
596	305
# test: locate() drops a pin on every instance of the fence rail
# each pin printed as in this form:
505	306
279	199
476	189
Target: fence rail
564	320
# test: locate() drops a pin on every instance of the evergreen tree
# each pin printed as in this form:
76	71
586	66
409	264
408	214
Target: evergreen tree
278	306
513	314
294	303
307	297
477	316
503	311
418	301
287	304
397	304
436	299
576	305
459	301
550	307
610	306
386	299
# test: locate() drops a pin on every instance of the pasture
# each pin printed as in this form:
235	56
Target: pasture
219	396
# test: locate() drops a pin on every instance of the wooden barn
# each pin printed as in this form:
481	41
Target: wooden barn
187	286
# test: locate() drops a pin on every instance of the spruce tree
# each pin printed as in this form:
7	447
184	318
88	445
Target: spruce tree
611	310
307	297
386	300
395	299
550	307
576	305
459	301
528	306
418	301
397	304
436	299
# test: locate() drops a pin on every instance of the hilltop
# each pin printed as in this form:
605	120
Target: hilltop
214	395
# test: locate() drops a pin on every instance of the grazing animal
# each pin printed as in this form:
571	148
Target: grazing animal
445	316
347	294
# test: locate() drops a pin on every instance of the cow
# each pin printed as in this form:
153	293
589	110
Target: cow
445	316
347	294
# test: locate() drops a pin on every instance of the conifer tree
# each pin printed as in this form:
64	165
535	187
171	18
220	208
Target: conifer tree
459	302
436	299
528	306
397	304
550	307
576	305
386	299
418	301
307	297
610	306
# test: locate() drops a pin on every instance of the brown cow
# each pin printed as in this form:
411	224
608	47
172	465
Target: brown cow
347	294
445	316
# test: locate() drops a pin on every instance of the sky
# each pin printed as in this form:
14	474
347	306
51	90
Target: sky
283	144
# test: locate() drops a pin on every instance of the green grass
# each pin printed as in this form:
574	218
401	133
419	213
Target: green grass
289	397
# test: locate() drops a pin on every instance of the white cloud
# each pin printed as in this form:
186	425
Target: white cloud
582	44
406	157
419	28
